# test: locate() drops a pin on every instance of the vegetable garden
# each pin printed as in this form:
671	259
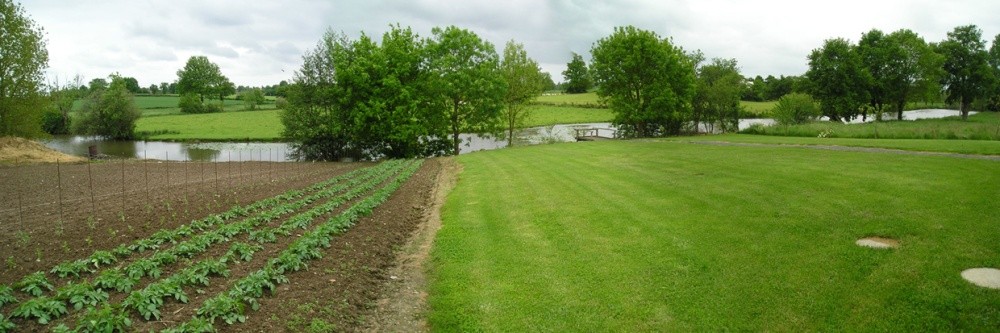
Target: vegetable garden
218	270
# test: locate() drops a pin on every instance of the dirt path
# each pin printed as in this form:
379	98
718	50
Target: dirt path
849	148
402	307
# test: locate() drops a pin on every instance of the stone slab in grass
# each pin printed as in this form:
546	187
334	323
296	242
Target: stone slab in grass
878	242
983	277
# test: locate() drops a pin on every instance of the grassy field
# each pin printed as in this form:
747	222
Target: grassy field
569	99
543	115
977	147
165	105
247	125
665	236
980	126
759	108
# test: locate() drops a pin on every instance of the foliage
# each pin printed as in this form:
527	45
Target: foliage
223	306
106	318
760	89
981	126
195	325
647	81
5	324
110	113
795	109
717	96
35	284
466	70
23	59
358	99
966	66
81	294
192	103
994	94
202	78
837	79
280	103
917	73
578	78
524	82
6	295
147	301
252	98
114	279
73	268
43	308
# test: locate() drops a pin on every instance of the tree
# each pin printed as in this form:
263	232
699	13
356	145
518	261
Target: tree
153	89
466	72
132	85
881	58
648	82
967	71
838	80
200	77
165	88
110	113
577	76
915	72
795	108
56	119
994	99
717	96
252	98
547	83
23	59
98	84
525	81
362	100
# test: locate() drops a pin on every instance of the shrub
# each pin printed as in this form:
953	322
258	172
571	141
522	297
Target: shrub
280	103
192	103
795	108
109	113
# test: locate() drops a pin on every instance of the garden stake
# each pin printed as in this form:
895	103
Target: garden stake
123	188
59	188
90	182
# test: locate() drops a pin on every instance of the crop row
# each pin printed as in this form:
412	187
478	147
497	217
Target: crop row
145	301
230	306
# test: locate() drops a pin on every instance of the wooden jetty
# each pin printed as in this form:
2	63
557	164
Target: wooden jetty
595	134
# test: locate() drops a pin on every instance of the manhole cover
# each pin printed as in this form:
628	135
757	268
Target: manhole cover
878	243
983	277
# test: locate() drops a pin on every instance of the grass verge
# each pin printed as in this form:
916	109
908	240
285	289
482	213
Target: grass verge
980	126
661	236
977	147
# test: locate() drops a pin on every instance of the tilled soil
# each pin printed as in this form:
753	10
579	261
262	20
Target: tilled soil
157	195
335	293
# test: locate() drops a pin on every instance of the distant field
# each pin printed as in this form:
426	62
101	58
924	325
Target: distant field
247	125
576	99
543	115
759	108
162	105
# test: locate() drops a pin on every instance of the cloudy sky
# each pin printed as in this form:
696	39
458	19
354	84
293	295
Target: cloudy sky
262	42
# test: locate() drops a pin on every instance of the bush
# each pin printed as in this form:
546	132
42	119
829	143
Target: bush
191	103
109	113
280	103
252	98
53	122
795	108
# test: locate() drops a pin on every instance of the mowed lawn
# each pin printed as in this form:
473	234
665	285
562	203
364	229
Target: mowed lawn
653	235
244	125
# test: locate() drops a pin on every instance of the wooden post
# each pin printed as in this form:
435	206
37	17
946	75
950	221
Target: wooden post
59	188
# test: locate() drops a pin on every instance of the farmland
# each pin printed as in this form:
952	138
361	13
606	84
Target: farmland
207	246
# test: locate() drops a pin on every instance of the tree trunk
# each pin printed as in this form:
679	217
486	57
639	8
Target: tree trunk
964	109
899	110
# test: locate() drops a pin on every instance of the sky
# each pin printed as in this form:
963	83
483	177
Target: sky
259	43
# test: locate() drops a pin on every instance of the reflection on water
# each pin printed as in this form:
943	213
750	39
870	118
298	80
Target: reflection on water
280	152
174	151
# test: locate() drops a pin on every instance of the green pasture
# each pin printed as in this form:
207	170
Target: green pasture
589	98
248	125
659	235
762	109
980	126
544	115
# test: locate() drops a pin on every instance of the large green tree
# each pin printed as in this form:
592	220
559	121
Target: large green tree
647	82
466	72
577	76
967	71
358	99
916	73
717	96
525	81
882	58
110	113
201	78
23	59
838	79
